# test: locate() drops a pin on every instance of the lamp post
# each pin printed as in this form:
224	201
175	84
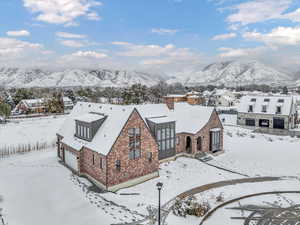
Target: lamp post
159	186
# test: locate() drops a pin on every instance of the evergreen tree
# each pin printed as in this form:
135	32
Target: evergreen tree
5	110
22	94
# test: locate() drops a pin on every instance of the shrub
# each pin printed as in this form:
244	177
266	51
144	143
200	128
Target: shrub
190	206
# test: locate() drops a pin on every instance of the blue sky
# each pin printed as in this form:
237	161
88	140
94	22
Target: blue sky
142	34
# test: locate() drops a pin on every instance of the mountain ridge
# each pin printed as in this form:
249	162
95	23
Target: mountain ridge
228	73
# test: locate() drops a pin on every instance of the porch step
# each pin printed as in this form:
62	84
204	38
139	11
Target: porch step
203	157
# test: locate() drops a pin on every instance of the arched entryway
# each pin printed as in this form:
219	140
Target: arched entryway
188	144
199	144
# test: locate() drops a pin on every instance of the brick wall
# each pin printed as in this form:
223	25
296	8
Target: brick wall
204	133
132	168
93	169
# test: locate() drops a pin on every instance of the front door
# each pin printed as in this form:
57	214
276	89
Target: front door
199	144
188	146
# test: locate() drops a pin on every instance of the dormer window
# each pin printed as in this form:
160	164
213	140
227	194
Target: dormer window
87	125
278	109
264	108
250	109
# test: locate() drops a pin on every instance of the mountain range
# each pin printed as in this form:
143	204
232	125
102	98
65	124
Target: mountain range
230	73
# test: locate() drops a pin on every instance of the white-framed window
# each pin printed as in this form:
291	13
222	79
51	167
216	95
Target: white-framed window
250	108
278	110
215	141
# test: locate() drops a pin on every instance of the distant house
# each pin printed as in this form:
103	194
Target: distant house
68	104
117	146
271	112
26	106
192	97
224	98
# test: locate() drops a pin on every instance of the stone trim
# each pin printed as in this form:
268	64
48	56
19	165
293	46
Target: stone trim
133	182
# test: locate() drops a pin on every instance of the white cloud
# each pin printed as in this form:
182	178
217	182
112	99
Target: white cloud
70	35
224	36
73	44
293	16
93	16
278	36
62	11
155	62
258	11
14	47
163	31
18	33
134	50
91	54
240	52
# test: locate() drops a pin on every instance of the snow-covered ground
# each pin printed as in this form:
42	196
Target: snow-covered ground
30	131
38	190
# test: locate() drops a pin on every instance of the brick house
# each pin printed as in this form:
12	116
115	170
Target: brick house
118	146
31	106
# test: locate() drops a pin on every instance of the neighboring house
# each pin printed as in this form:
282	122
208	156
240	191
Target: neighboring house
68	104
224	98
192	97
118	146
31	106
275	112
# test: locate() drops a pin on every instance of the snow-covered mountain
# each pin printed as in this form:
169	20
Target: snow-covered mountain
231	73
16	77
235	73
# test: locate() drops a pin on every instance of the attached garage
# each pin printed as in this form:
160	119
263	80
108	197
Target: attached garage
278	123
71	160
264	123
250	122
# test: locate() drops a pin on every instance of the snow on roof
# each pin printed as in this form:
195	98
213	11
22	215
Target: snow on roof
37	101
193	96
189	119
271	105
175	96
89	117
164	119
193	93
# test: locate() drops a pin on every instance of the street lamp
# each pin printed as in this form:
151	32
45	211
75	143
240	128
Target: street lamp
159	186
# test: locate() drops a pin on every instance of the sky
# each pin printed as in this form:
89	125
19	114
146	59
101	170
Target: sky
163	35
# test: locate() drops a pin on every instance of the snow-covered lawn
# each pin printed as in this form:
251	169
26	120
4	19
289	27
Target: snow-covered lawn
30	131
38	190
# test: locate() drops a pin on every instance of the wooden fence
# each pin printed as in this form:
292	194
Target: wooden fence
6	151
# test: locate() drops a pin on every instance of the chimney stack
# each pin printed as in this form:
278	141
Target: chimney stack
169	102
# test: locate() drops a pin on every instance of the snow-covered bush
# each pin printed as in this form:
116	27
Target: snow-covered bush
190	206
220	197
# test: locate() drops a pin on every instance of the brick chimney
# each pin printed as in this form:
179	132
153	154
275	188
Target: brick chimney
170	102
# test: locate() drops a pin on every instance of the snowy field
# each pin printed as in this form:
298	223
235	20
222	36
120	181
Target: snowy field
36	189
30	131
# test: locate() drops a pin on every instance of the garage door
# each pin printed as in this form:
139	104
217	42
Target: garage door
250	122
71	160
278	123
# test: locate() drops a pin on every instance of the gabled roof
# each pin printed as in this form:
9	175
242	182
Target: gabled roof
189	119
271	104
29	102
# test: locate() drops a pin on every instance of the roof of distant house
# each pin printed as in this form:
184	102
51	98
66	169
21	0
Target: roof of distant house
270	102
